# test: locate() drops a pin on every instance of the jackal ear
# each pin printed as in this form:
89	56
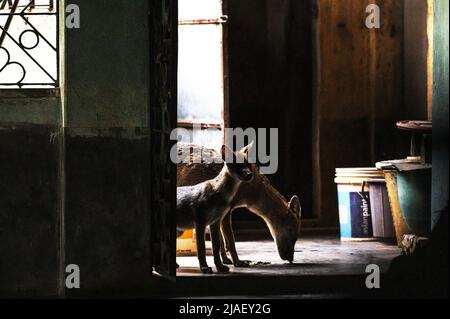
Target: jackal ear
227	154
247	149
294	205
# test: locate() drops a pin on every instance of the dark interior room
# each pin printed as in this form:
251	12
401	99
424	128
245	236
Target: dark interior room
338	110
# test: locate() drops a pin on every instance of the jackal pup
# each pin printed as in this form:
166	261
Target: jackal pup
207	203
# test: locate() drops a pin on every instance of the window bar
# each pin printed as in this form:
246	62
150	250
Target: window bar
221	20
203	126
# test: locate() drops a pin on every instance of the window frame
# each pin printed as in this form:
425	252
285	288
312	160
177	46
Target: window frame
45	92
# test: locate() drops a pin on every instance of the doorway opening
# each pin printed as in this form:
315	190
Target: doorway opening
252	66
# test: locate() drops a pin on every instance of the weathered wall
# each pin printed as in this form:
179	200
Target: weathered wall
39	110
29	210
30	154
440	110
107	146
415	58
358	93
107	66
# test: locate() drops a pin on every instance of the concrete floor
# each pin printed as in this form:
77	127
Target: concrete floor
324	267
313	256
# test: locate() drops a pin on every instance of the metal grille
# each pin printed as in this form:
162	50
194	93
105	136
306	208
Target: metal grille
29	44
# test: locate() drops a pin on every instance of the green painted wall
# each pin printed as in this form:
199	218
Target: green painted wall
440	109
44	111
107	65
107	147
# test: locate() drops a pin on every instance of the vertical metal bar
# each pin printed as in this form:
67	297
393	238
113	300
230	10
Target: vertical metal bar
62	174
430	58
225	68
58	30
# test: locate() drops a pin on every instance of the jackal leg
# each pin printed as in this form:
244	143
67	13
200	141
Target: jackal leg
215	238
227	231
223	247
201	249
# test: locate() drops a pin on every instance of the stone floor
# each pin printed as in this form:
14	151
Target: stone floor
313	256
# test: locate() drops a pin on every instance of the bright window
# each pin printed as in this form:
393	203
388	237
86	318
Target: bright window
201	71
29	44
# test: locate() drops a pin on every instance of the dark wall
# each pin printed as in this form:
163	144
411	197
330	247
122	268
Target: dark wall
107	70
107	145
358	93
440	110
270	66
415	59
29	210
282	54
30	189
